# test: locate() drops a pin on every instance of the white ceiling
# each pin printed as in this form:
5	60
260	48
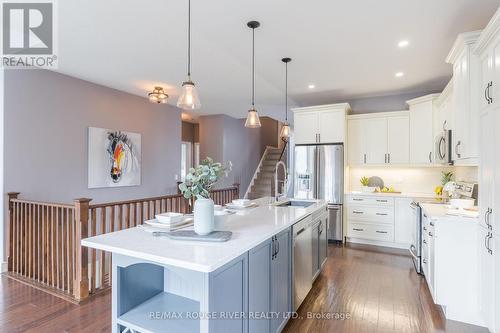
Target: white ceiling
348	49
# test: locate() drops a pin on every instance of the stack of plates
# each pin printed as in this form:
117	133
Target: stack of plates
170	221
240	204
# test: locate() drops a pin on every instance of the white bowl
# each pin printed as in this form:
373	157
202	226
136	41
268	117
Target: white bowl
169	217
368	189
462	203
241	202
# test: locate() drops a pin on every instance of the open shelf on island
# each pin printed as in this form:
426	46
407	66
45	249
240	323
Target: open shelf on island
153	315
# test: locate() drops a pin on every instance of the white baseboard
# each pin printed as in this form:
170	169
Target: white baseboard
5	266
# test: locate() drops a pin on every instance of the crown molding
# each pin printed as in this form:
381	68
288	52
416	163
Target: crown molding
371	115
489	33
339	106
422	99
463	40
447	91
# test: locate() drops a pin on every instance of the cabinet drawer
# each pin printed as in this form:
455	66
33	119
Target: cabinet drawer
371	214
376	201
379	232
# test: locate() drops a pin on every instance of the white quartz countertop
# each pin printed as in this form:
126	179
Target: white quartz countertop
397	195
249	230
439	212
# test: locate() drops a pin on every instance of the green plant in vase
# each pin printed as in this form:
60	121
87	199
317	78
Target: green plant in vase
198	183
364	181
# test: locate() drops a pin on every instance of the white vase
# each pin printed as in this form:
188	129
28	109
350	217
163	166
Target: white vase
204	216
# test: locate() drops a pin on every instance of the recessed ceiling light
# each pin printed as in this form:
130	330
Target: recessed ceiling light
403	43
399	74
311	86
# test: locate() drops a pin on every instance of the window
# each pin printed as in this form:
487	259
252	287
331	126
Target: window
196	152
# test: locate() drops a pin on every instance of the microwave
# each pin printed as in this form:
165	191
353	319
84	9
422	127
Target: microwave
443	148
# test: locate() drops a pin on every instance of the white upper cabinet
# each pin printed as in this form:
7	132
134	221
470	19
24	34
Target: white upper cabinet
320	124
421	129
466	68
443	111
356	142
305	129
398	141
378	139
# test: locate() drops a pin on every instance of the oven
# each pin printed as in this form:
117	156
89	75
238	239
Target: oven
416	245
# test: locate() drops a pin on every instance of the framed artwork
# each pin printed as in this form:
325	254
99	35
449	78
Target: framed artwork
114	158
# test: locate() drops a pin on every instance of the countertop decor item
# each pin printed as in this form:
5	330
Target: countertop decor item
364	185
376	181
188	100
199	182
253	120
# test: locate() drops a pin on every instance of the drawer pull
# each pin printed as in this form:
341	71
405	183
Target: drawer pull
356	199
378	200
424	241
431	223
425	228
357	229
430	233
356	212
425	261
381	232
381	214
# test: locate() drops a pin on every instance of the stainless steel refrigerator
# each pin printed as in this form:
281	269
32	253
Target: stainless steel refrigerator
319	174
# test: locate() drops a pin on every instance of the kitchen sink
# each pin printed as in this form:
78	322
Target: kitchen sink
294	203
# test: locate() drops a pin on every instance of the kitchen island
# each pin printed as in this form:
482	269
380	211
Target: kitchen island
242	285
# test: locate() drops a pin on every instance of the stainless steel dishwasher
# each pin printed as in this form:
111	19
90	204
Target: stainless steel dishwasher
302	260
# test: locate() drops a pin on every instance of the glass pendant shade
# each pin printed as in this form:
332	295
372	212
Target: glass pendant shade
189	97
253	120
286	132
158	96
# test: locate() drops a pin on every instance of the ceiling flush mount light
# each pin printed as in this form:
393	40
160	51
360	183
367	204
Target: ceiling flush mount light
253	120
158	96
399	74
285	130
403	43
189	97
311	86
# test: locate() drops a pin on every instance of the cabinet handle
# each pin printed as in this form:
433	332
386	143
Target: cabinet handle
319	137
456	148
444	125
431	223
430	233
425	229
357	212
301	231
430	157
389	158
424	241
489	96
272	248
381	214
381	232
357	229
357	199
487	218
490	236
486	241
379	200
277	247
425	261
385	158
365	158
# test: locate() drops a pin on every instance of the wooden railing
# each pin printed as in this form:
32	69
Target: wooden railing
44	238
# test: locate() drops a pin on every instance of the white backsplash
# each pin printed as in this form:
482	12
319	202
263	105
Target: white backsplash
410	179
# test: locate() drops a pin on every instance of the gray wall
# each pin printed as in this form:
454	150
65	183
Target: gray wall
225	138
46	119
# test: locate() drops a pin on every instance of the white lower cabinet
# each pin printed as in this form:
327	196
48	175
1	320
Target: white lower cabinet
495	243
380	220
486	277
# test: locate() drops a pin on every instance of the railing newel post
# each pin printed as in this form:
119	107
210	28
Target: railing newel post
81	285
11	196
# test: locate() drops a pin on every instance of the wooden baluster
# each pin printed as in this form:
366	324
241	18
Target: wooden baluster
101	253
141	212
127	215
81	290
120	217
93	252
67	253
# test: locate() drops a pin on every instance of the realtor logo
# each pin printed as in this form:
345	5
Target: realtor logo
28	34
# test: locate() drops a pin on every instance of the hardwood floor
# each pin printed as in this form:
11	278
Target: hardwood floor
378	289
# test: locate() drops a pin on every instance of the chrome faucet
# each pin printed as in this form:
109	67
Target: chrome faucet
277	193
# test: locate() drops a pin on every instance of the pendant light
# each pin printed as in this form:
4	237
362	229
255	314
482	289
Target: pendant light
253	120
285	130
189	97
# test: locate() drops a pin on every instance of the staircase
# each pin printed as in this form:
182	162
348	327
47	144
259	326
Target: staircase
262	183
